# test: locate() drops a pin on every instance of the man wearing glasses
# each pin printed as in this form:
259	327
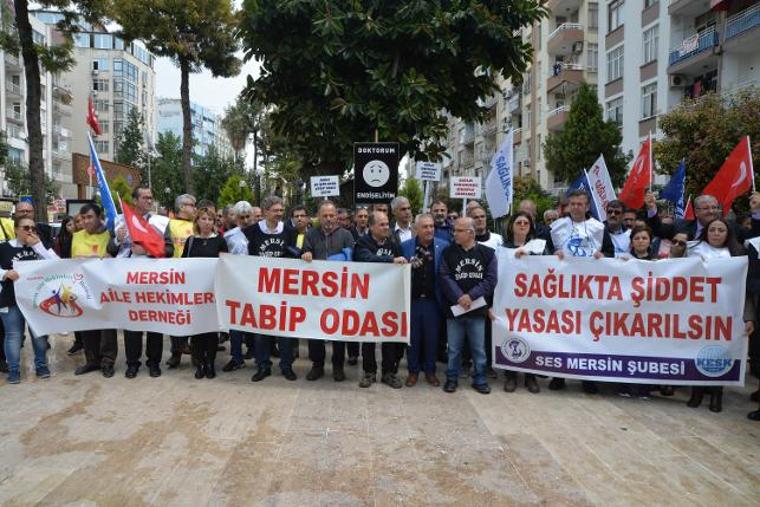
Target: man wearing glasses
706	209
620	234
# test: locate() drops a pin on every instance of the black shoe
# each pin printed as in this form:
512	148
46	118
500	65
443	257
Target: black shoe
450	386
200	371
667	390
557	384
154	370
131	371
75	348
755	396
210	371
589	387
174	361
352	361
3	367
338	374
531	384
232	365
716	401
754	416
697	393
107	370
289	374
315	373
249	354
261	374
510	383
482	388
86	368
220	348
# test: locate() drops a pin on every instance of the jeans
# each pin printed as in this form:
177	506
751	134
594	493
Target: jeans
469	330
13	322
263	348
236	345
426	326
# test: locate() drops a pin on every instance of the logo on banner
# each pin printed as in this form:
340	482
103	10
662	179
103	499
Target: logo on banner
515	349
714	361
58	295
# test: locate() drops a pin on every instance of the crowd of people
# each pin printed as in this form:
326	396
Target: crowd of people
452	258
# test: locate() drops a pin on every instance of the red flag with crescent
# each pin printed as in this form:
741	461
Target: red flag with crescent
734	177
639	179
141	232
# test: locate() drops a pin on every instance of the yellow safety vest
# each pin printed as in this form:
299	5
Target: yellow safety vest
84	244
180	230
7	231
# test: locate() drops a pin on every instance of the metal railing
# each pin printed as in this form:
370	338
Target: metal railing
694	45
13	114
556	111
743	21
13	87
564	27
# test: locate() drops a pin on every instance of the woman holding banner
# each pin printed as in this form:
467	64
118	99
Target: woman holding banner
26	247
718	241
521	230
204	243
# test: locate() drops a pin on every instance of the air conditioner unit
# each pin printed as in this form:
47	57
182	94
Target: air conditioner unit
578	47
677	81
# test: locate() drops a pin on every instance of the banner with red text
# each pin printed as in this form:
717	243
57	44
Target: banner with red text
327	300
667	322
170	296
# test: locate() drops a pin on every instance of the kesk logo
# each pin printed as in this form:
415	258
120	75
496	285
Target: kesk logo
58	294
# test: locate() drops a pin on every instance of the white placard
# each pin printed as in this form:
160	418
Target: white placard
324	186
465	187
428	171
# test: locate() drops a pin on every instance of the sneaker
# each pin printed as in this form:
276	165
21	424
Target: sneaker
315	373
482	388
391	380
338	374
261	374
368	379
75	348
289	374
14	377
450	386
43	372
557	384
232	365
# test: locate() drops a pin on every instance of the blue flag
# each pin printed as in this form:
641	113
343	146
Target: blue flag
105	193
675	189
581	183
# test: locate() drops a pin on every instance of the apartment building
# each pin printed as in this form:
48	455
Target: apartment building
206	125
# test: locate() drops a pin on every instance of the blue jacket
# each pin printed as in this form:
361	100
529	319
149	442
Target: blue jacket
407	250
445	232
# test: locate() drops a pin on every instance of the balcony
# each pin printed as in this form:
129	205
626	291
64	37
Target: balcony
564	40
688	8
514	103
12	61
13	88
517	136
61	109
744	25
562	7
694	50
62	132
14	115
569	74
556	118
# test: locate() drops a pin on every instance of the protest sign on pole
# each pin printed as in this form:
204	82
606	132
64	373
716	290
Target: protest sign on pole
325	186
169	296
427	172
375	172
349	301
672	322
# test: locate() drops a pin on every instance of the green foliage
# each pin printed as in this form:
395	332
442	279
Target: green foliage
19	182
412	190
214	171
528	188
3	148
704	131
337	72
240	120
166	169
584	137
235	189
120	187
130	145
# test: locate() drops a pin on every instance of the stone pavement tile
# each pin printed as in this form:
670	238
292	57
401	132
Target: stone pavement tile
35	479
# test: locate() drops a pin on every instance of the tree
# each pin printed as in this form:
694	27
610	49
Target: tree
412	190
214	171
194	34
235	189
129	149
20	183
339	72
120	187
17	37
240	120
584	137
166	169
703	132
528	188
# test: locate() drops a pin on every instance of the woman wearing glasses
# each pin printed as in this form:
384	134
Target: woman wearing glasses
27	246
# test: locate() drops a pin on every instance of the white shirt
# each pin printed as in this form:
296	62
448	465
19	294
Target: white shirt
494	241
237	243
403	234
577	239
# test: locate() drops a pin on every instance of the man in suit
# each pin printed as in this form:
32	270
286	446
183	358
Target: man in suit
706	209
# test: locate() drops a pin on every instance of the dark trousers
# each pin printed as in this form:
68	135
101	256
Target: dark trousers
391	354
425	330
78	338
203	347
263	347
178	343
133	344
100	347
352	349
2	342
317	353
754	344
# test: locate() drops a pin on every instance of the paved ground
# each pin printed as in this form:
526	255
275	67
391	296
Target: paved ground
179	441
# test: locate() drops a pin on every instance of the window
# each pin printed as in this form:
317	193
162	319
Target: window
103	41
103	126
651	40
82	40
614	15
101	106
592	57
101	146
649	3
593	16
100	85
100	64
649	100
615	111
527	118
615	64
118	43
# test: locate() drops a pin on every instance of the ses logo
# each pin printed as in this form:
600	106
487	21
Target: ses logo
515	349
60	295
713	361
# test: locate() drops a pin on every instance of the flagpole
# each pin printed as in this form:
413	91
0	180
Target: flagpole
751	166
651	162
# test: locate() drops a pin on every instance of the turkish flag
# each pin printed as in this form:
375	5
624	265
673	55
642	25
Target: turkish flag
639	179
734	177
141	232
92	117
689	213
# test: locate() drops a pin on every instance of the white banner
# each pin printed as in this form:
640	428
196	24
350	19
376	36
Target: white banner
499	183
464	187
600	185
667	322
324	186
170	296
351	301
